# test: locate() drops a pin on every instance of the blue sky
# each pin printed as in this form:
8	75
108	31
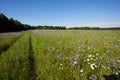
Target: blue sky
103	13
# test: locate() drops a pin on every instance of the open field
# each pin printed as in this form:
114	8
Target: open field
60	55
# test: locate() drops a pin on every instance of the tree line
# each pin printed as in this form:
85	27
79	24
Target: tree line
10	24
93	28
51	27
84	28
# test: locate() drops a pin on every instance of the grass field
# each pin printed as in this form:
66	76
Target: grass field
61	55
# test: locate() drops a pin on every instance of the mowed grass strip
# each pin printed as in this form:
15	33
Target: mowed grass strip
32	67
15	63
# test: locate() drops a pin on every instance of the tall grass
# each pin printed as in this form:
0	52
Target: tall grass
14	63
63	55
7	39
76	55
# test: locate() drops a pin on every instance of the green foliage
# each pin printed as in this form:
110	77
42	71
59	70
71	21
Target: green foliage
51	27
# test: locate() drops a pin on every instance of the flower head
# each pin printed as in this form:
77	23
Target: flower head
81	70
74	63
93	77
76	57
93	66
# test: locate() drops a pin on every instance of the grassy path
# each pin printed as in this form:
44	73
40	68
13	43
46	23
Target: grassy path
14	63
32	69
17	60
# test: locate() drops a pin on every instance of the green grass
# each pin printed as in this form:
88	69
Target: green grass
14	63
6	40
55	53
63	55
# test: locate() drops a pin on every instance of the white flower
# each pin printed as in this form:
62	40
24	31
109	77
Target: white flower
108	68
60	64
118	60
117	73
91	58
93	66
97	54
88	60
84	60
61	68
81	70
96	57
90	55
75	62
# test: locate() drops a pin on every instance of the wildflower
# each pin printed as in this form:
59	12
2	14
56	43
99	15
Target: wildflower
97	54
93	77
93	66
60	68
88	60
108	67
71	61
91	58
81	70
76	57
94	59
60	64
90	55
84	60
118	60
60	56
74	63
97	58
67	57
117	73
113	64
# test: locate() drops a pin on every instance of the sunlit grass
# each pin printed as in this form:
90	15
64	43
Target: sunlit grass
14	64
66	55
62	55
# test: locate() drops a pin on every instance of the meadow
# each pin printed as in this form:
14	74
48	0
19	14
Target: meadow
60	55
